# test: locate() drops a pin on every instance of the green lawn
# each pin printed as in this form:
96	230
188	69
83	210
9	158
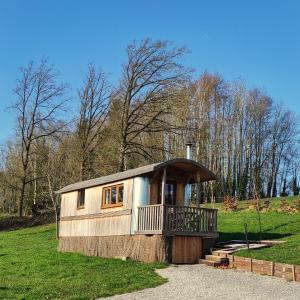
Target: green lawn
31	268
275	225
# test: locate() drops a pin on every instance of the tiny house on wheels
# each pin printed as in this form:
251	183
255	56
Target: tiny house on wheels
142	214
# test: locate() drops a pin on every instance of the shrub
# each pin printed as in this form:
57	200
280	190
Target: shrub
251	204
229	203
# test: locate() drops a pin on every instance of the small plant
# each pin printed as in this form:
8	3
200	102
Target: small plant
266	204
230	203
297	205
252	204
283	205
292	209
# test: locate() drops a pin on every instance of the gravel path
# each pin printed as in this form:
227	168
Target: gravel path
202	282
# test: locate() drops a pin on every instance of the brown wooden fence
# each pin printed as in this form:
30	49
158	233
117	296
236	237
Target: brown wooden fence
176	219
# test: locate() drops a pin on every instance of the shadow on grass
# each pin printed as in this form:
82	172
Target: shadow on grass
282	225
50	230
227	236
9	223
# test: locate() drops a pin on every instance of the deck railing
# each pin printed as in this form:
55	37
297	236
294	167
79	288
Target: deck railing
171	219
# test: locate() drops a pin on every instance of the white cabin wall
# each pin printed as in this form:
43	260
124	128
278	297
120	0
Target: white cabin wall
68	204
140	197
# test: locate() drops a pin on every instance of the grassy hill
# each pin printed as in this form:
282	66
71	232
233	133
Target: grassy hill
277	223
31	268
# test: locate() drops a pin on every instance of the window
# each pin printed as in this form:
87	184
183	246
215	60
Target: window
170	193
80	199
112	196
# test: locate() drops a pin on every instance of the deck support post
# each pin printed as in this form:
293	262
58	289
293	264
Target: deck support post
163	185
198	192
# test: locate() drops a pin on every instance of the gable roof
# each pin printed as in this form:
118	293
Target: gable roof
205	174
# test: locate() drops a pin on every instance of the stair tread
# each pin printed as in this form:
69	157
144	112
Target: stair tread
216	258
209	262
222	251
220	254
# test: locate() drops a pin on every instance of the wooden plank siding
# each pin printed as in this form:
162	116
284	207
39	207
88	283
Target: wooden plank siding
93	220
93	198
104	226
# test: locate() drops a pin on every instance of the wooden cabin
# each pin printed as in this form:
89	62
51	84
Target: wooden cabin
142	214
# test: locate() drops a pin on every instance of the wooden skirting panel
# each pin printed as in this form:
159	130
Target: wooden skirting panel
137	247
264	267
186	249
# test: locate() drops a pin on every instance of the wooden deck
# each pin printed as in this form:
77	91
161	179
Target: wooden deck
177	220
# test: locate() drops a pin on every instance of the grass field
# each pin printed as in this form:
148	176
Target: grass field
275	225
31	268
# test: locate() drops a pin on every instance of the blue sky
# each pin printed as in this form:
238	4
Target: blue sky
258	41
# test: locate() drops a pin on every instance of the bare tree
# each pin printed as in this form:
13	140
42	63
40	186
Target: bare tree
150	79
240	134
283	136
54	176
39	102
94	99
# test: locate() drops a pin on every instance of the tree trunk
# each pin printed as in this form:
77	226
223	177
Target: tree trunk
57	221
21	200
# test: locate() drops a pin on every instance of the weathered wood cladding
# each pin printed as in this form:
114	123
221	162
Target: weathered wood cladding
137	247
93	199
97	225
92	220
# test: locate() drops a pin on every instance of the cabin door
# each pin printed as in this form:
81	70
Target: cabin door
174	193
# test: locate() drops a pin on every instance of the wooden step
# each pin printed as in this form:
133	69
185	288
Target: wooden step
216	258
210	263
220	253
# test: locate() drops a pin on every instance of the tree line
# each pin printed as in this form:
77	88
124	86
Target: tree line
245	137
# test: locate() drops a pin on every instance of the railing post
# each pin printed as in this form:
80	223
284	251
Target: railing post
163	217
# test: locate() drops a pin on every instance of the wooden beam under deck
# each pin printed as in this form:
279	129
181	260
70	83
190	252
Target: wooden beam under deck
170	233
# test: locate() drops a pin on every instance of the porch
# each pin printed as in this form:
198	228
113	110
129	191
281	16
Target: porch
177	220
